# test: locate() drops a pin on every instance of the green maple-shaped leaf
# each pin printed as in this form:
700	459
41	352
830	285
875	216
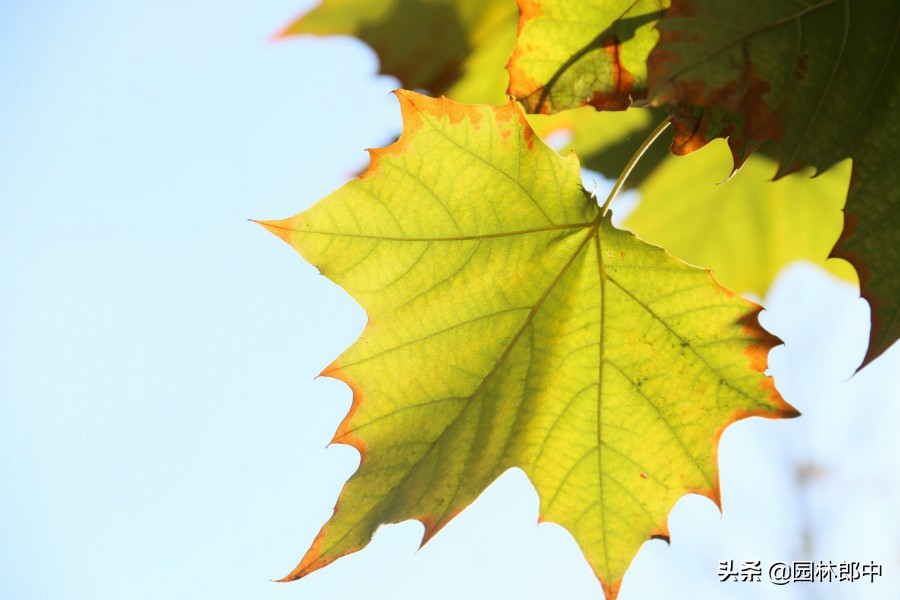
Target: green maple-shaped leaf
572	53
820	78
510	325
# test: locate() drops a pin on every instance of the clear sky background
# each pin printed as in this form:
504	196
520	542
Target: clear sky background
161	431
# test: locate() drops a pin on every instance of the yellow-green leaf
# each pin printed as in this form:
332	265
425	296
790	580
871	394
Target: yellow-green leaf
745	229
510	325
572	53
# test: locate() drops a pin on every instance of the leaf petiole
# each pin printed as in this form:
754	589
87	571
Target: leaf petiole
631	163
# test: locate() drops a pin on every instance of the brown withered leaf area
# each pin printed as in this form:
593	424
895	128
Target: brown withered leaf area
738	109
821	82
697	126
804	75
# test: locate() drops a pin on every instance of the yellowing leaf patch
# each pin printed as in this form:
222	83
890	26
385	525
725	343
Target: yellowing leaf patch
510	325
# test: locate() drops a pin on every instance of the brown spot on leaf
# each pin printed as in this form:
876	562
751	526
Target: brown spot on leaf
761	122
521	86
618	90
689	133
527	131
694	128
510	112
682	8
741	109
619	97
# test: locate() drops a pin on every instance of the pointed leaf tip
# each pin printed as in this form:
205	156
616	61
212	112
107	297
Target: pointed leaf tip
281	228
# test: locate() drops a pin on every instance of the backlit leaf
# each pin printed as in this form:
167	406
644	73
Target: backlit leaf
405	36
510	325
822	79
572	53
604	141
745	229
454	47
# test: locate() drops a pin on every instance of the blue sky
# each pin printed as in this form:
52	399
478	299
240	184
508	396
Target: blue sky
162	433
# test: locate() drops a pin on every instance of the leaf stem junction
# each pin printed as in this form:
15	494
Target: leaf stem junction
631	163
